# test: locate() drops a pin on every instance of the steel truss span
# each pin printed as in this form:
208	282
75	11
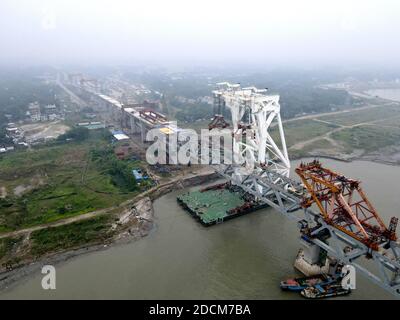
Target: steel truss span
288	197
331	210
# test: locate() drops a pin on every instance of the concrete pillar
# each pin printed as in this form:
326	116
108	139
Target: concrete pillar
143	132
132	124
311	252
308	260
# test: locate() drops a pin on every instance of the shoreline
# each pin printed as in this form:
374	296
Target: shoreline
352	159
388	163
9	279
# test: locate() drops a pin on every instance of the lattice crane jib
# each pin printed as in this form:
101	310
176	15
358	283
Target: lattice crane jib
344	205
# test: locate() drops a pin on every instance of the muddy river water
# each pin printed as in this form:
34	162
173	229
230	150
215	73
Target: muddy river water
244	258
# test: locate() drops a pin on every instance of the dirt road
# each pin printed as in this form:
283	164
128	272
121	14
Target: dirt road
203	171
328	135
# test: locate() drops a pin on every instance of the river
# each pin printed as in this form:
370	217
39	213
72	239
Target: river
244	258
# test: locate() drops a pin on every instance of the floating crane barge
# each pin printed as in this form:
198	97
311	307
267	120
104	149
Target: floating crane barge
219	203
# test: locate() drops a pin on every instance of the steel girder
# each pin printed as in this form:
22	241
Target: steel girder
385	262
286	196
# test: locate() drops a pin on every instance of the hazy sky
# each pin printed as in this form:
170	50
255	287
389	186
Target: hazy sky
279	32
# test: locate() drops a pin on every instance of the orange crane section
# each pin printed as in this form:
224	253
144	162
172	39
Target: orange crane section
344	205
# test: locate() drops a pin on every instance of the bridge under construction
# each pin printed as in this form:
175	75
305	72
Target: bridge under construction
334	215
336	219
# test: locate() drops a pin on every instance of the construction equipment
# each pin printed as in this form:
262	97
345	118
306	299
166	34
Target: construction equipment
346	226
252	114
344	205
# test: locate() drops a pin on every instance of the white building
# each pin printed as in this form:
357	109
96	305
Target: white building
34	111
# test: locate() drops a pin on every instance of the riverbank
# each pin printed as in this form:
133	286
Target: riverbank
391	160
132	221
180	259
378	158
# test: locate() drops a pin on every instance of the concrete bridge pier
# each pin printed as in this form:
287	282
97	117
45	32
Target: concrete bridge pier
311	259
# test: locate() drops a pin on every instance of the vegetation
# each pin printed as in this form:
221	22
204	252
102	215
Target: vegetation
363	116
367	138
91	231
3	138
195	112
18	89
298	90
58	181
7	246
299	99
302	130
120	171
322	146
76	134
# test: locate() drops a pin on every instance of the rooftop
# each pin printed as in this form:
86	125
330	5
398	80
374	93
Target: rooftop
121	136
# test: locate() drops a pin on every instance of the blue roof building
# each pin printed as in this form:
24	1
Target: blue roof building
137	173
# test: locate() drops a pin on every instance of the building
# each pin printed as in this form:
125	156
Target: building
34	112
52	117
51	108
119	136
92	125
6	149
50	111
139	176
12	131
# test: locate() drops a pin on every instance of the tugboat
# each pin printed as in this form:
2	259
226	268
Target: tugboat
299	284
326	291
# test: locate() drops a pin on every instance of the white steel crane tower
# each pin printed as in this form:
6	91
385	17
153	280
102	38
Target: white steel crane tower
254	113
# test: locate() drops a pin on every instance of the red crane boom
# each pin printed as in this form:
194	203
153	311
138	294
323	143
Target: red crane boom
344	205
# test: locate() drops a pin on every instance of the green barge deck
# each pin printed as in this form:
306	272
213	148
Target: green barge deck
212	206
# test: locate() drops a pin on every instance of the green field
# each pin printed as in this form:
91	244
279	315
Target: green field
73	235
93	231
367	138
63	180
320	145
362	116
302	130
393	122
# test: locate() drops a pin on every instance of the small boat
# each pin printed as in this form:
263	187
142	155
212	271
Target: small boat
326	291
298	284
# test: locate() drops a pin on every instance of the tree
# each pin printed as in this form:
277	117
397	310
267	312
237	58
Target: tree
77	134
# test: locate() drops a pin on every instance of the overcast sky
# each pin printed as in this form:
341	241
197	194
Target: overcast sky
279	32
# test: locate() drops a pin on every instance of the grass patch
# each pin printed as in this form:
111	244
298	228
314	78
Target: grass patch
7	245
322	144
318	145
301	130
361	116
392	122
91	231
367	138
62	180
